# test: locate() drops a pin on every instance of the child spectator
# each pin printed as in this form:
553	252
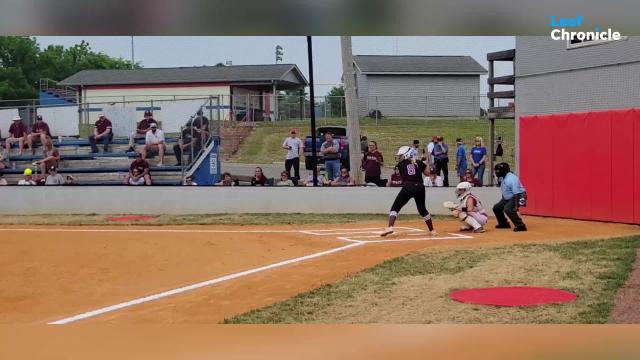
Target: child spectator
226	180
28	179
258	179
54	178
284	180
321	180
344	179
295	149
433	180
188	181
396	178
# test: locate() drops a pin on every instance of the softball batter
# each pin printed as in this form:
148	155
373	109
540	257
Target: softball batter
411	172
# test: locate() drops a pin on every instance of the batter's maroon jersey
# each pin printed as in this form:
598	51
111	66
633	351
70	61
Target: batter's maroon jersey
411	171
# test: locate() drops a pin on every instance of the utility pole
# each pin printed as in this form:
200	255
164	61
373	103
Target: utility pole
314	153
132	54
353	121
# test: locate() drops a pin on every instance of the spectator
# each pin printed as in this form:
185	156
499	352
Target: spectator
344	179
39	133
17	134
28	179
141	130
396	178
69	180
364	145
461	159
468	177
54	178
284	180
3	164
51	158
188	181
154	142
3	181
259	179
478	159
102	132
294	148
430	160
226	180
321	180
188	142
372	163
201	128
415	150
433	180
139	169
330	149
441	159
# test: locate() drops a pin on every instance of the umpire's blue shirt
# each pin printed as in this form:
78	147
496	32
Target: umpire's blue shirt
510	186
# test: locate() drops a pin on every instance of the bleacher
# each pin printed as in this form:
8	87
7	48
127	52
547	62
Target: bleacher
96	169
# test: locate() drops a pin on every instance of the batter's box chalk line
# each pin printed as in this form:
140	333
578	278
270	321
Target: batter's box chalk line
415	237
365	231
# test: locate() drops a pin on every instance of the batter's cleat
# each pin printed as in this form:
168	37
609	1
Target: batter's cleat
503	226
433	233
479	230
466	229
520	228
387	231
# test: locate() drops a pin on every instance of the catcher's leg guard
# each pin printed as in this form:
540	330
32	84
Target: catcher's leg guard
469	220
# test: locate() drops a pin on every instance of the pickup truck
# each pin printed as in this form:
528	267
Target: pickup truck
339	133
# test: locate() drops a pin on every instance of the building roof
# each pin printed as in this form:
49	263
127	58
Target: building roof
201	74
418	65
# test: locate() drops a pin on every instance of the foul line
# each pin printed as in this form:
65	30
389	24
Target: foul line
164	294
149	230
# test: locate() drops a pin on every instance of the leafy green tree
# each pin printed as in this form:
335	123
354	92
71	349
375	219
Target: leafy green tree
23	64
336	101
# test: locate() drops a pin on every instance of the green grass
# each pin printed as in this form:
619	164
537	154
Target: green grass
414	288
264	144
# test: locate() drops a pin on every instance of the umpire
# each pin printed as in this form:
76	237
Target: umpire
513	196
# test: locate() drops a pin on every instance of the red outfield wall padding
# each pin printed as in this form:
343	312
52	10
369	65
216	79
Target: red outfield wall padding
582	165
512	296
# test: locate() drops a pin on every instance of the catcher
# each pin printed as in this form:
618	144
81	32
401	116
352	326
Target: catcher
411	172
468	210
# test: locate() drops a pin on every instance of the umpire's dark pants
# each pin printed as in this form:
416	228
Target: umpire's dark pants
510	207
442	166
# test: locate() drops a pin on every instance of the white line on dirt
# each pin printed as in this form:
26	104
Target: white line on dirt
149	230
426	238
164	294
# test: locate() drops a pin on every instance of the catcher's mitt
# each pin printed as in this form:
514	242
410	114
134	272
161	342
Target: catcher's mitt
449	205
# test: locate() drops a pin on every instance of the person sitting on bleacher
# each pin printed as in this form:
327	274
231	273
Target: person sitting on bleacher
139	169
141	130
102	131
39	133
54	178
17	133
51	158
154	141
185	145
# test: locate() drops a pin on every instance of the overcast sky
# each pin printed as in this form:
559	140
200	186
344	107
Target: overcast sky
163	51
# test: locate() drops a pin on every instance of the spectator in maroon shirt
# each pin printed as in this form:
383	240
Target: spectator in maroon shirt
39	133
396	178
468	177
372	162
103	132
17	134
51	158
141	130
258	179
138	169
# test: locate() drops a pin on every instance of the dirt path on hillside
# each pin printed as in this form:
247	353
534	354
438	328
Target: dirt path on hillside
626	308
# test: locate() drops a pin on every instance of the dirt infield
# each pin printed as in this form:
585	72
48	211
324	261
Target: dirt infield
139	274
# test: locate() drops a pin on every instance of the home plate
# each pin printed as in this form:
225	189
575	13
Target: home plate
513	296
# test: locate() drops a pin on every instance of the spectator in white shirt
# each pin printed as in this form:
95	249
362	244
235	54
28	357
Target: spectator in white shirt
433	180
154	141
295	149
28	179
54	178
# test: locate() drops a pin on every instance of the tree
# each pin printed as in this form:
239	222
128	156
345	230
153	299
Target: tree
23	64
336	101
